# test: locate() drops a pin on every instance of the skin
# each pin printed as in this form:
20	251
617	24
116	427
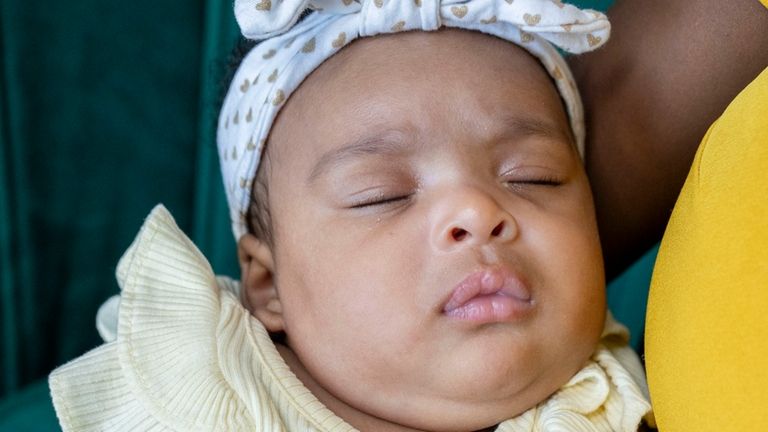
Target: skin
454	130
650	96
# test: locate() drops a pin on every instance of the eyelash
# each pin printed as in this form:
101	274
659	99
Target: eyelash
543	181
379	201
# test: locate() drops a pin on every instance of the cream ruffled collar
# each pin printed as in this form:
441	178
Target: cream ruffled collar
185	355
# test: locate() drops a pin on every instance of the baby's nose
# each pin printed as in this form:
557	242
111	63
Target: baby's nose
471	218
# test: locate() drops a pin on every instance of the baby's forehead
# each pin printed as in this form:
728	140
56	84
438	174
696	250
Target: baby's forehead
443	54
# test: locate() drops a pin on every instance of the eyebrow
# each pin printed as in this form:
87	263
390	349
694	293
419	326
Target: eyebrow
391	142
517	126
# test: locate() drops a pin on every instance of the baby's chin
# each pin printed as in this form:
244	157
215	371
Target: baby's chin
485	402
522	370
461	399
455	413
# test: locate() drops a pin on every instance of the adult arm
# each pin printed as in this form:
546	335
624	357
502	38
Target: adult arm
669	70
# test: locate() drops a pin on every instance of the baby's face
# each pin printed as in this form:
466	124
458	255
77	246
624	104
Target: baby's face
436	253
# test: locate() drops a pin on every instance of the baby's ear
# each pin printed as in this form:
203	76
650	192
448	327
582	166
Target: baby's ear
259	294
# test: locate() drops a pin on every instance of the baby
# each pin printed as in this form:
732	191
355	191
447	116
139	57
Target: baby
416	233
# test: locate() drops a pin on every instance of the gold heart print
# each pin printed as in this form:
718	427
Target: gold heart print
234	153
271	53
250	146
245	85
347	2
490	20
399	26
279	98
236	118
525	37
417	3
459	11
567	27
339	41
531	20
264	5
309	46
557	73
249	116
593	40
273	76
243	182
378	3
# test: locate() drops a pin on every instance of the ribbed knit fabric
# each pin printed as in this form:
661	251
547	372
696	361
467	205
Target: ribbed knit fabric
189	357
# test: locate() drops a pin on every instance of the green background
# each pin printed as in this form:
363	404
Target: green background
106	109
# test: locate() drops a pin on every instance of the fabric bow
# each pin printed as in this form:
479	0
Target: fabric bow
562	24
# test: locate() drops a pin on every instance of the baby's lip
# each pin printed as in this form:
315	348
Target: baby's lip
488	282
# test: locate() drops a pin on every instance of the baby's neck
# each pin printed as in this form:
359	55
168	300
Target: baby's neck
360	420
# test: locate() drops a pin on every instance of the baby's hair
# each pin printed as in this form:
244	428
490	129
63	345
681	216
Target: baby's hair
258	217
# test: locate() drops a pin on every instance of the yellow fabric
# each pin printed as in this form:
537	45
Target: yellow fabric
186	356
764	2
707	324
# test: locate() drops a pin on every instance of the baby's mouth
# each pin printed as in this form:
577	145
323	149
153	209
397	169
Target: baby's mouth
491	295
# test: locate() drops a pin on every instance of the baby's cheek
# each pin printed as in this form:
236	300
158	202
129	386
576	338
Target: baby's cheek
347	330
573	285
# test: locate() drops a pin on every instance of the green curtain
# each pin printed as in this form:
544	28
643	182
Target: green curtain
106	109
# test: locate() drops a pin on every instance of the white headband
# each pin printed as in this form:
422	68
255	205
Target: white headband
290	52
